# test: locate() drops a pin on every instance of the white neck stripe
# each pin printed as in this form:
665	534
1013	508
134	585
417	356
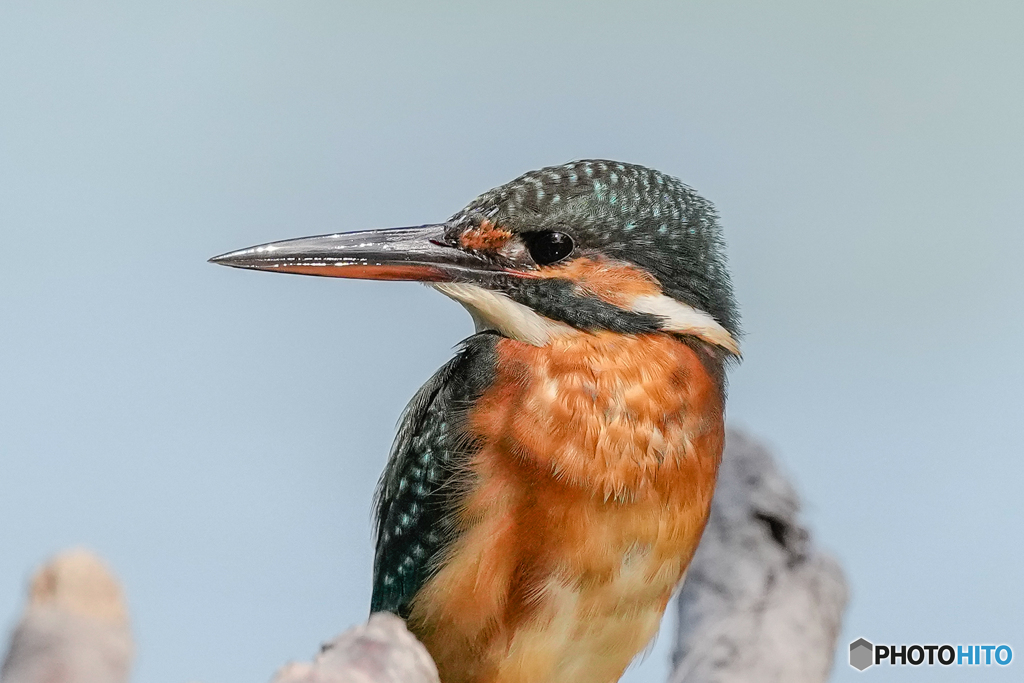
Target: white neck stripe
684	319
496	311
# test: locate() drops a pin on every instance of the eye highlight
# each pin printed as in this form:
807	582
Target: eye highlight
547	247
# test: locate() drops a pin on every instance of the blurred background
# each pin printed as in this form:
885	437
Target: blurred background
217	435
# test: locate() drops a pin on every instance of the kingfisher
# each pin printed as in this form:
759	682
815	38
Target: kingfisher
548	486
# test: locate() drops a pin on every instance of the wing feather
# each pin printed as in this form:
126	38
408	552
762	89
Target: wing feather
421	488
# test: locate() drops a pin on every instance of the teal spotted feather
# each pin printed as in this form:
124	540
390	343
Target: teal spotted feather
418	493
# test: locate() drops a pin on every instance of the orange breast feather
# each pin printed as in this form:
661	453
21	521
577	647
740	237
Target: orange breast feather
589	496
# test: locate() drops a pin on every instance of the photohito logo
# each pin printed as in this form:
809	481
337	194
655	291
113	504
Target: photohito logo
863	654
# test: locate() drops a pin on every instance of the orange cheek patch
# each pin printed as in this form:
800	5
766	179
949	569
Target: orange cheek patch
485	237
614	282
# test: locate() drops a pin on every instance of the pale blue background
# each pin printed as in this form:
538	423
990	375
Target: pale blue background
217	435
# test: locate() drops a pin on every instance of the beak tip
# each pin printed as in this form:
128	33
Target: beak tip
231	258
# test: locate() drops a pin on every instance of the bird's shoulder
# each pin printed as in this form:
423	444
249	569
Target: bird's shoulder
419	487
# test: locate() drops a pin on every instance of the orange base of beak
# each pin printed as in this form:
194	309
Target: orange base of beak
410	273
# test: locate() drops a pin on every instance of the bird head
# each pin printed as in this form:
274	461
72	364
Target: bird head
584	247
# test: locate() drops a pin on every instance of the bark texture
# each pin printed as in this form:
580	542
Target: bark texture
379	651
761	602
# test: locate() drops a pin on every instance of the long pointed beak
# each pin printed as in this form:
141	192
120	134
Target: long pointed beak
418	253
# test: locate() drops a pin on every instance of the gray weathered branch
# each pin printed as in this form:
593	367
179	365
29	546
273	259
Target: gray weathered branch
380	651
75	626
760	601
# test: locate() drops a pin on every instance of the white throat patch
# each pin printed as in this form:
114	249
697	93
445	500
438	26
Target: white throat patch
494	311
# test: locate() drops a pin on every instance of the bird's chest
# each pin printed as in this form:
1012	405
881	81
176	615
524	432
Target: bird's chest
590	489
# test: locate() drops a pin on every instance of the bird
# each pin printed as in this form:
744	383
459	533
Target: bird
548	486
75	628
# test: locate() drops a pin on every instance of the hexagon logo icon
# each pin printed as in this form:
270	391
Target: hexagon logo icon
861	654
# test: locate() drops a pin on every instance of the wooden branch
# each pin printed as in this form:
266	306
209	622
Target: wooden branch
379	651
75	626
760	601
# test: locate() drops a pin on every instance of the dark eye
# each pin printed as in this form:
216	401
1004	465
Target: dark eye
549	247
